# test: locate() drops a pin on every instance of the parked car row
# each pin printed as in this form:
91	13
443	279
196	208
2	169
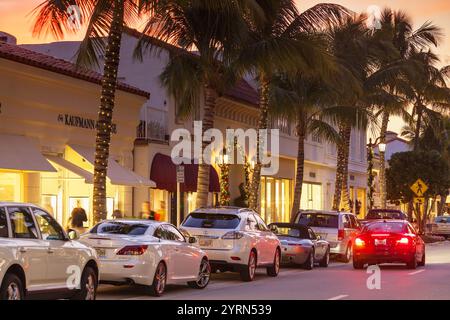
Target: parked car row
38	258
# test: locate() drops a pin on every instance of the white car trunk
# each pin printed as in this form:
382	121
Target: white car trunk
211	238
107	245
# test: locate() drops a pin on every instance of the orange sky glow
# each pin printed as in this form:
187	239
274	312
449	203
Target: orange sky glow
16	19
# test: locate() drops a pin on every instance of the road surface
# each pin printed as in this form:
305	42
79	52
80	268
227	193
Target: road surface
338	281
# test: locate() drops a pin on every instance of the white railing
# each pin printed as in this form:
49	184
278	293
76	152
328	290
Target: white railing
154	125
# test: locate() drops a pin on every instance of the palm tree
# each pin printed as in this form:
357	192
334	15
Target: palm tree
396	27
212	28
105	20
306	99
283	41
358	53
429	90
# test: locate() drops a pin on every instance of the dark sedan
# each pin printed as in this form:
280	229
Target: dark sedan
301	246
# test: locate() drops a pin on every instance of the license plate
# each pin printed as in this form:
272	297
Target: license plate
101	253
205	242
380	242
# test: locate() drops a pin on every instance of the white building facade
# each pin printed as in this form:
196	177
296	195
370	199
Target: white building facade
238	108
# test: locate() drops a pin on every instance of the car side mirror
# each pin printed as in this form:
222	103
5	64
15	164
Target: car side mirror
72	234
192	240
319	237
273	228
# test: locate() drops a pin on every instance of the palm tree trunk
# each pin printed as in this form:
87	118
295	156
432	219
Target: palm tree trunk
340	169
104	123
301	133
442	203
384	126
418	125
345	188
203	168
263	124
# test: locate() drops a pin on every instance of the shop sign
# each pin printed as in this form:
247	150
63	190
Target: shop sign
81	122
180	174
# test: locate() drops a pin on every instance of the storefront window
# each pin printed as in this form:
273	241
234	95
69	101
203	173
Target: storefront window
159	204
276	199
11	186
311	196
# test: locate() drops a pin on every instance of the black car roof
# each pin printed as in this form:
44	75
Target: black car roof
289	225
386	210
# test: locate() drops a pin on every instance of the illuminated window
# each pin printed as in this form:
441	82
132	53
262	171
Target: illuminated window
311	196
276	199
11	187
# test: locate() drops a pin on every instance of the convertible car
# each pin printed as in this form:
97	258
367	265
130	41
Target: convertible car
301	246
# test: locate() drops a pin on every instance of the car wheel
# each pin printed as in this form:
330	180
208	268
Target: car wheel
275	268
248	273
203	276
325	260
358	264
422	262
413	263
159	280
88	285
309	263
347	257
12	288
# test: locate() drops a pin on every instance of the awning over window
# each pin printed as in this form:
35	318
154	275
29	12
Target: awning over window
22	153
117	174
88	177
163	172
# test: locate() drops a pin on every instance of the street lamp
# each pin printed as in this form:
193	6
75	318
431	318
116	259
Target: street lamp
380	142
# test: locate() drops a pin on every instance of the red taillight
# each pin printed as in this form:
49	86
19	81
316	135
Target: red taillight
340	234
233	235
359	242
132	250
403	240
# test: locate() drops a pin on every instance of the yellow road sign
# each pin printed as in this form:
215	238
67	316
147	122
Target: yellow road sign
419	200
419	187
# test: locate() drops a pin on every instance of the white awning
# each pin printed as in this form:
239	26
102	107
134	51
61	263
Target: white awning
22	153
116	173
88	177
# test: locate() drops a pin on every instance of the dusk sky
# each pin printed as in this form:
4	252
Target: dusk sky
15	18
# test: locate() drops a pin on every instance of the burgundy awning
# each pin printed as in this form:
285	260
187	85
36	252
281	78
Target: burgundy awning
163	173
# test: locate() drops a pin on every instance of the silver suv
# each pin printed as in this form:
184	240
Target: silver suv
338	228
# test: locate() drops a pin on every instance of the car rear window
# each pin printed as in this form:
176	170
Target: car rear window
442	219
132	229
292	232
392	227
211	220
384	215
318	220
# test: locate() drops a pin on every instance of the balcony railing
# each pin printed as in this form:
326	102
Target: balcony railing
154	125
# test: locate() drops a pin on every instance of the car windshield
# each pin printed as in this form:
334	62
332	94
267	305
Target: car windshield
318	220
292	232
384	215
442	219
116	227
211	220
390	227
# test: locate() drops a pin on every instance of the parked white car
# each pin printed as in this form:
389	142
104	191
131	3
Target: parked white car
147	252
37	259
235	239
338	228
